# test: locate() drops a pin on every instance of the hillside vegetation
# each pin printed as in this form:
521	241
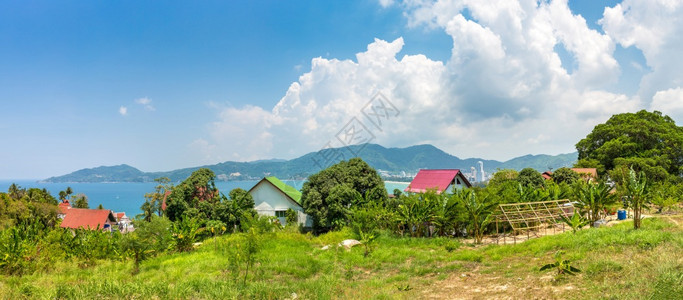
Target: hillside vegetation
617	263
409	159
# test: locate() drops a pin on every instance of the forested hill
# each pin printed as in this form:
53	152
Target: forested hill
391	160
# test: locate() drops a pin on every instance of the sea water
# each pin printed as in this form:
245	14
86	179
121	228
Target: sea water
128	197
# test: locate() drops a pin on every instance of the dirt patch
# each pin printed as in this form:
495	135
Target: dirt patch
485	283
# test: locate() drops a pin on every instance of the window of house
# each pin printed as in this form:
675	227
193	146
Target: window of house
280	213
458	181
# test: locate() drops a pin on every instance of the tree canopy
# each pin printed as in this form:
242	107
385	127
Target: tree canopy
80	201
328	194
199	187
565	175
647	141
529	177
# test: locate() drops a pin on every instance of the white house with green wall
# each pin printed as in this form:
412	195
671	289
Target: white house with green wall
272	197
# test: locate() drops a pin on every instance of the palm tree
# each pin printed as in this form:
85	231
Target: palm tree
16	192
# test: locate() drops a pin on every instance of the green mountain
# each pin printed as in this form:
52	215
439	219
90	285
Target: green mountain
391	161
541	162
120	173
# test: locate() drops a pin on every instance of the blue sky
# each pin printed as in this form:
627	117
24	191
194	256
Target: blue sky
186	83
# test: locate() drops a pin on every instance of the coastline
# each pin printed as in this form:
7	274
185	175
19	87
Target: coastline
397	182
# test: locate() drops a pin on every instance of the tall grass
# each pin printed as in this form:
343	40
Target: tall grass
645	263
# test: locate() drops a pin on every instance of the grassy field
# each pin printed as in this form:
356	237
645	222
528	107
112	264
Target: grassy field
616	262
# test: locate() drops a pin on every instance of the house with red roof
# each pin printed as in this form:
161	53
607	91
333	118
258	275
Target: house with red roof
93	219
441	180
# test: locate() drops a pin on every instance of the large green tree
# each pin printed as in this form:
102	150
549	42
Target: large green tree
529	177
565	175
647	141
187	196
328	194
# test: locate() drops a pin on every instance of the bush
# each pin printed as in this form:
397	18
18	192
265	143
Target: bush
291	217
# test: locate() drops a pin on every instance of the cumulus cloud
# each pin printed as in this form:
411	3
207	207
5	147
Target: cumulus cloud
669	102
146	103
656	28
502	93
123	111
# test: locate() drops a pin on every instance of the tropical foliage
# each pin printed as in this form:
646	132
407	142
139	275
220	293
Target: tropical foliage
646	141
328	194
636	193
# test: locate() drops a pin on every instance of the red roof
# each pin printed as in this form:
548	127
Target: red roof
87	218
64	206
547	175
163	203
435	179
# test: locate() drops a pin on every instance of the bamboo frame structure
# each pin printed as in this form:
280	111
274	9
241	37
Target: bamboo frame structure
531	217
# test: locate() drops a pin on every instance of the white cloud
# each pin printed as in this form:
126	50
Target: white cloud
669	102
656	28
386	3
146	103
502	93
123	111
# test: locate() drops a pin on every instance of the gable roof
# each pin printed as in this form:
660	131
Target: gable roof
288	190
87	218
435	179
285	188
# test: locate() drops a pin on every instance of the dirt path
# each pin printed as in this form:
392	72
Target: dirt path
484	283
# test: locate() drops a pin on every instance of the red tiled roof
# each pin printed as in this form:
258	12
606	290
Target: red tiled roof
547	175
64	206
434	179
87	218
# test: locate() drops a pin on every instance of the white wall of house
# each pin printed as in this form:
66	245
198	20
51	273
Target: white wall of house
270	201
458	183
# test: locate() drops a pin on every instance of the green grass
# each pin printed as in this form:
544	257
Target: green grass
617	263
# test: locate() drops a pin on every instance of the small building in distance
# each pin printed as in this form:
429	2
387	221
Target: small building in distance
587	174
92	219
124	222
272	197
441	180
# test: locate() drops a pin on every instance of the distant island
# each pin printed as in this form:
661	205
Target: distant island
392	163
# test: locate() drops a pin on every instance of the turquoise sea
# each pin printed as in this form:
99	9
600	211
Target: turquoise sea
128	197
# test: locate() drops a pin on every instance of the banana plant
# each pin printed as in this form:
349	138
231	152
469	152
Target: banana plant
576	221
478	211
563	266
594	198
